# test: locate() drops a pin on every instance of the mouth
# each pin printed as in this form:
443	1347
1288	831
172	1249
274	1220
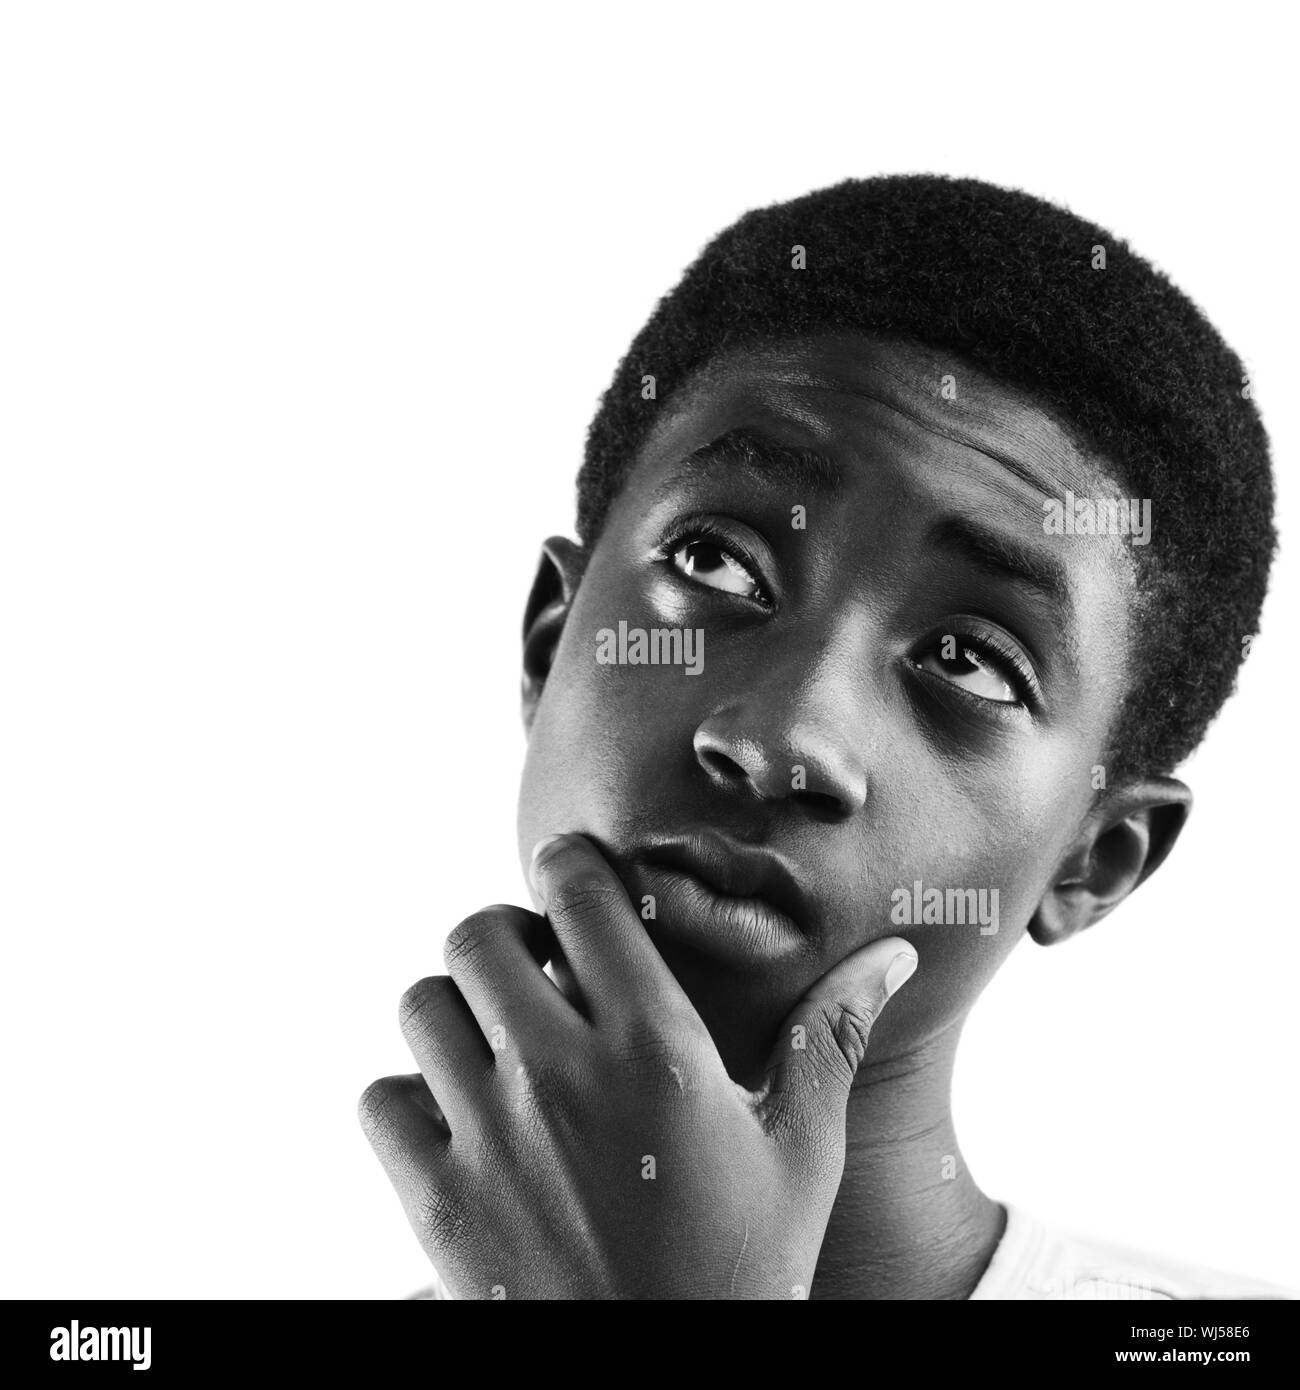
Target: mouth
735	901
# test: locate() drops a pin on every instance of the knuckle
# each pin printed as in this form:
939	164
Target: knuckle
852	1030
837	1038
374	1109
650	1033
550	1098
547	1084
582	896
420	1001
666	1061
465	945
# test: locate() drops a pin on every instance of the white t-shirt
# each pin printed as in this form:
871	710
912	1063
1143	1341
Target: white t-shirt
1035	1261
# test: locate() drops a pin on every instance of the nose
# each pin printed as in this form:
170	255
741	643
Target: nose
780	748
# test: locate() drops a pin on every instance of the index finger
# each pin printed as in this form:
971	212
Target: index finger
621	974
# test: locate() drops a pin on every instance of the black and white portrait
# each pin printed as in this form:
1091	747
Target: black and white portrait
648	656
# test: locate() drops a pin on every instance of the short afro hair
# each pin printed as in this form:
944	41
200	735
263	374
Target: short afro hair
1007	281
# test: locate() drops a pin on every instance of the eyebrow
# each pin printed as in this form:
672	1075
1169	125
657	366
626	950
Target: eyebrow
997	554
1002	557
765	461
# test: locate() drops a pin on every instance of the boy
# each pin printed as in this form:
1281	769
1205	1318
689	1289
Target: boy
920	530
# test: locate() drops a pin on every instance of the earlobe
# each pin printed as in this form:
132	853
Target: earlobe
559	572
1125	838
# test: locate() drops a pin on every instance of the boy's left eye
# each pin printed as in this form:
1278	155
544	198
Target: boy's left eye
964	665
708	563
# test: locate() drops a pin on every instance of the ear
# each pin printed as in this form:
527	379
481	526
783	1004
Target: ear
1123	840
558	573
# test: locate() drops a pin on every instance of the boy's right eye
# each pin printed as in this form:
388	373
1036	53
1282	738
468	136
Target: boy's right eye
710	563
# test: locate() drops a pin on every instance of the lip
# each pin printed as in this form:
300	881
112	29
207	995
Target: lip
739	901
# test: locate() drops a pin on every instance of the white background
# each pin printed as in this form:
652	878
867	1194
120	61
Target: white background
304	310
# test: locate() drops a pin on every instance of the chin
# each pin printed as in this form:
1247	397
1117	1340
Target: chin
743	1012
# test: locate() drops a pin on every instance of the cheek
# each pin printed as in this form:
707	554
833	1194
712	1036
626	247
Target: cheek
964	856
1000	818
960	881
609	737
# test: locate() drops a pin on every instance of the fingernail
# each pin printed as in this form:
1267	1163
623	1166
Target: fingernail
540	850
543	845
900	971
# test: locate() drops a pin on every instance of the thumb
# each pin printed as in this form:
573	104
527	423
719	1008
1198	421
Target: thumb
824	1038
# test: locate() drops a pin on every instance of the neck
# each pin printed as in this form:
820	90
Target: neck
909	1221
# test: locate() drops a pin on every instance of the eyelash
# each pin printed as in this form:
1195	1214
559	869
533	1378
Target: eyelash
702	529
1003	655
1000	651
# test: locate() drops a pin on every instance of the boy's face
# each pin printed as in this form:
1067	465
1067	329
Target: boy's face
906	681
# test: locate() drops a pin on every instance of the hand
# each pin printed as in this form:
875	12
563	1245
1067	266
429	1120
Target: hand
607	1153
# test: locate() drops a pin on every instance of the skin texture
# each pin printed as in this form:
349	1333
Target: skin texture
830	729
605	1152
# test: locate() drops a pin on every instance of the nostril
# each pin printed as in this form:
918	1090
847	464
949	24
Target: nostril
718	765
821	806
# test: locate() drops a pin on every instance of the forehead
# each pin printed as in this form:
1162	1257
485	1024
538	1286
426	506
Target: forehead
900	432
861	396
